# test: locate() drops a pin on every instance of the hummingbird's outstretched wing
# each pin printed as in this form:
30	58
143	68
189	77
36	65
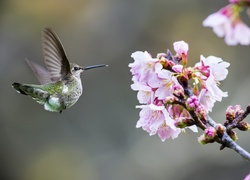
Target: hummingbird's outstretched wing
54	56
41	73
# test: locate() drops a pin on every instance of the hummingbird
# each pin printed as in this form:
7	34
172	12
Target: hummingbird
61	84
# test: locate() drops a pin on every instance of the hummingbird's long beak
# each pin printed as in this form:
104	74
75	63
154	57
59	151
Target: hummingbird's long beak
94	66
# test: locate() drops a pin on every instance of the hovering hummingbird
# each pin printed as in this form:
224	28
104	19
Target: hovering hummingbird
61	83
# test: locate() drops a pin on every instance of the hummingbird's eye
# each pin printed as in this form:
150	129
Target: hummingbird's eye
76	68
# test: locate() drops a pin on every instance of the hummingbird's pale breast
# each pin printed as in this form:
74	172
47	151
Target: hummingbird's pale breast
67	95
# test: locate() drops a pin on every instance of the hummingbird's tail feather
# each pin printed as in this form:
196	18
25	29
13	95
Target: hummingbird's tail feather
18	89
34	91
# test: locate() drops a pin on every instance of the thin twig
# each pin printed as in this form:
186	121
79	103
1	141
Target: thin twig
226	141
238	119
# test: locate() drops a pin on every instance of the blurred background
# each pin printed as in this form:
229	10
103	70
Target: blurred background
96	139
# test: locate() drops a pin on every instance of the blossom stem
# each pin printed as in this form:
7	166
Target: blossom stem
189	93
197	121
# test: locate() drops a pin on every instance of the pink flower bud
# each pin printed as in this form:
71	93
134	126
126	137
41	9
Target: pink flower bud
243	126
210	133
233	135
178	90
171	99
230	113
220	129
238	110
181	48
201	113
192	102
204	140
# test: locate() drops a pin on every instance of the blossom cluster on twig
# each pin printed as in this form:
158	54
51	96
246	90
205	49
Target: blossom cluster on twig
174	97
161	84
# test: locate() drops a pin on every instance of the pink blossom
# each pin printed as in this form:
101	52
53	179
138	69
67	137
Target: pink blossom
145	93
181	48
247	177
239	33
226	23
217	66
143	66
211	86
155	119
164	83
150	120
165	132
206	99
214	71
219	22
178	68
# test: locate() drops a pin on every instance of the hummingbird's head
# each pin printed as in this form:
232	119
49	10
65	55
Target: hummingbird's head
76	70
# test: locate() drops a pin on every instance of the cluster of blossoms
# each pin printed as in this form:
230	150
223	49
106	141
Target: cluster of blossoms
170	93
227	23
